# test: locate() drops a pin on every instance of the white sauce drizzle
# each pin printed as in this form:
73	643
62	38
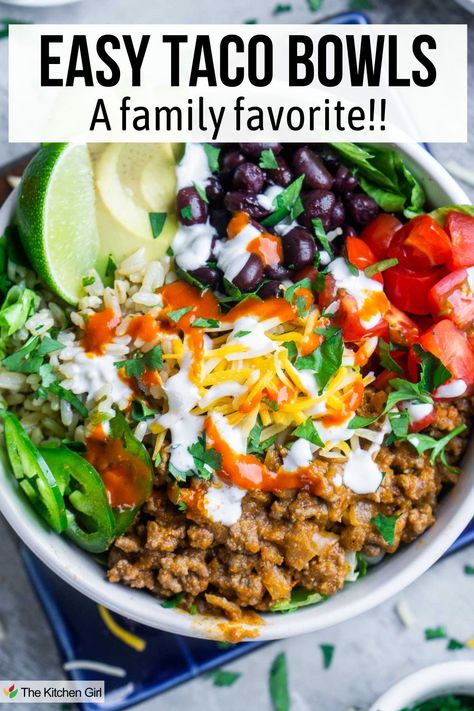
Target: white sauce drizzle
87	374
361	474
359	287
193	167
417	410
299	455
232	255
454	388
223	503
256	342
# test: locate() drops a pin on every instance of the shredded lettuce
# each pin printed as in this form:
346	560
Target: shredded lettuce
19	304
441	213
384	176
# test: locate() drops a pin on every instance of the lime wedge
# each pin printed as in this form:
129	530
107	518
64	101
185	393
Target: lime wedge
57	219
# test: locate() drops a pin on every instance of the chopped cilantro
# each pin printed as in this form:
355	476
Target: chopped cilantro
279	9
140	411
205	323
328	653
136	366
321	236
206	460
154	358
111	267
292	290
399	423
157	222
314	5
299	598
212	153
469	569
241	334
272	404
178	474
221	677
67	395
157	459
402	390
187	212
423	443
357	5
308	431
173	601
435	633
30	357
386	526
374	269
325	360
201	192
250	21
362	565
74	445
319	282
254	446
352	268
386	360
288	204
432	373
292	349
279	683
455	644
182	506
178	313
224	645
88	280
268	160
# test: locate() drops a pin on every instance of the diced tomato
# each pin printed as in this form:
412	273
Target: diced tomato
422	424
453	297
383	379
408	290
402	330
448	343
360	255
461	231
379	233
421	245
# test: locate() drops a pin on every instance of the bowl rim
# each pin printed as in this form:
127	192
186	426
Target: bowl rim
78	568
454	677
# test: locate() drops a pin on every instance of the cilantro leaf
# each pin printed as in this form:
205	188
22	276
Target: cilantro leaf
205	323
178	474
469	569
308	431
362	565
279	683
279	9
424	443
187	212
88	280
207	461
134	367
399	423
455	644
240	334
154	358
157	222
292	349
433	373
403	390
436	633
314	5
268	160
19	304
140	411
325	360
374	269
173	601
386	526
290	292
386	359
328	653
222	677
201	192
212	153
272	404
111	267
67	395
288	204
30	357
320	233
178	313
299	598
254	446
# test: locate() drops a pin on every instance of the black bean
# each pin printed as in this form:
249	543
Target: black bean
317	203
281	175
236	201
206	275
214	191
230	160
249	178
270	289
345	182
250	275
316	175
277	271
361	208
253	150
219	219
194	207
328	155
299	248
338	215
348	231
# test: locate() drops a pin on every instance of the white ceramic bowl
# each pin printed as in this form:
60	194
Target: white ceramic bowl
392	575
428	683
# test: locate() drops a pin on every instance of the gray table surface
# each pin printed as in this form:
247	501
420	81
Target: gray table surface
372	651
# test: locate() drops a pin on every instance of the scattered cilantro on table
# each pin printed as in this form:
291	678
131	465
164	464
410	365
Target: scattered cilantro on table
278	683
327	651
222	677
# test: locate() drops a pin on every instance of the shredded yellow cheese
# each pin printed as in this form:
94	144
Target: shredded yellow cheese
128	638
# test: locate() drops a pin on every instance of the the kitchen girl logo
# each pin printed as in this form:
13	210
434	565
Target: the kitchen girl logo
44	691
10	692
